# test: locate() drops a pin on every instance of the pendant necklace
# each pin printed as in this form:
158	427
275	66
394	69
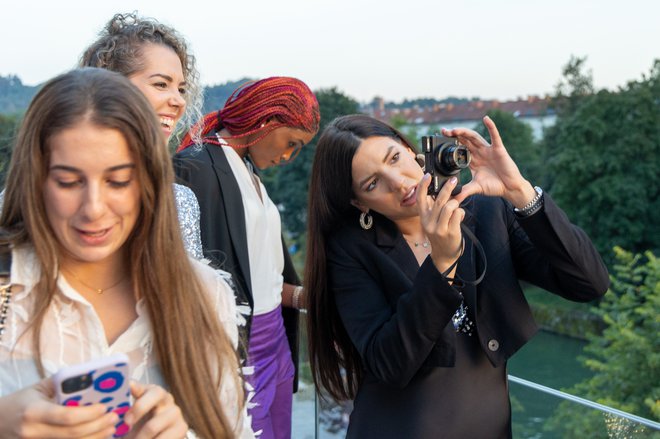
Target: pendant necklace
424	244
97	290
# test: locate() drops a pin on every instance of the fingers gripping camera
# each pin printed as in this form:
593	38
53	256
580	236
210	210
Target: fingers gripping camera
444	157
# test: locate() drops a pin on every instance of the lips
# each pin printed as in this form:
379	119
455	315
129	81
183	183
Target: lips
94	237
167	124
410	199
167	121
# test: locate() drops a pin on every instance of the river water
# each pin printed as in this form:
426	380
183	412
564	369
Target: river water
550	360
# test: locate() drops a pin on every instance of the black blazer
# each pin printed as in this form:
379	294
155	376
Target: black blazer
397	314
224	238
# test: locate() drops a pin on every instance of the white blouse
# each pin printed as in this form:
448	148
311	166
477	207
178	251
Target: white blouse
264	237
72	333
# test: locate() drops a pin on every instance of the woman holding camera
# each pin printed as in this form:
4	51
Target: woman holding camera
414	302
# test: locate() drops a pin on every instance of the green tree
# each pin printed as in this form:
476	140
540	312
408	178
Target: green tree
215	96
8	125
398	121
410	131
287	185
625	356
519	141
601	161
572	89
575	85
14	96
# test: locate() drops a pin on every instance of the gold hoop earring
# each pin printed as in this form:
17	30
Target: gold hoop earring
366	220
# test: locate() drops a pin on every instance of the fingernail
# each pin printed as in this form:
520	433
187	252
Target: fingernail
453	180
426	176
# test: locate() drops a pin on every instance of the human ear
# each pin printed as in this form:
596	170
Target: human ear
362	208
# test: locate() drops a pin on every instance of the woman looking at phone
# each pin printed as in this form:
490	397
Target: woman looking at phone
89	215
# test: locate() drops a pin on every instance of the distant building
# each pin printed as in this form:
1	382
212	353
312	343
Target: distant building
534	110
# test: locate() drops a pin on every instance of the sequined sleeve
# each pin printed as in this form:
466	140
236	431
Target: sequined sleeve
187	209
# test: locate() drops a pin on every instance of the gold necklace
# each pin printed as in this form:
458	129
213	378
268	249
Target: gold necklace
97	290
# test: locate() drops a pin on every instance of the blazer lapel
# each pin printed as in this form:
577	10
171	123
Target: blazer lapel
388	237
391	241
233	208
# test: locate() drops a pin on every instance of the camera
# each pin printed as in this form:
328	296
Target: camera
443	158
77	383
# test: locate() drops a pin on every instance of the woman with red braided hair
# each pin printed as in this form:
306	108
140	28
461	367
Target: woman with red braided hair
263	124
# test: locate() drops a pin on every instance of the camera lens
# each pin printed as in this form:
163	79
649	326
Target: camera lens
454	158
75	384
461	157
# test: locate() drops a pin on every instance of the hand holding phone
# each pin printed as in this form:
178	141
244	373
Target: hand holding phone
104	381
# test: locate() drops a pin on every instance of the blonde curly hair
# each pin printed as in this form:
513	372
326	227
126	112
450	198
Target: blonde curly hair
119	48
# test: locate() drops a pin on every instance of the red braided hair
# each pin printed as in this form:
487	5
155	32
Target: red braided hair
282	101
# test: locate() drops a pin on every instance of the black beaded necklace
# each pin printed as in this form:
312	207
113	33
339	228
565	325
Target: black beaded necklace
5	290
5	300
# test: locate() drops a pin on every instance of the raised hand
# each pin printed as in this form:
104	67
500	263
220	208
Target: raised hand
441	220
494	173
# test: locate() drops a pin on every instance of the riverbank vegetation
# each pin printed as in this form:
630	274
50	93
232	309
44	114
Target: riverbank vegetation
625	356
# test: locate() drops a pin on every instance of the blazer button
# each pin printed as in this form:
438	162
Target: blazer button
493	345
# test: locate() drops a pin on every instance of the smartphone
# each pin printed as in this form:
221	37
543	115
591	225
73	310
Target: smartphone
105	381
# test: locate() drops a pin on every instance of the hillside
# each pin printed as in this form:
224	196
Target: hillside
15	96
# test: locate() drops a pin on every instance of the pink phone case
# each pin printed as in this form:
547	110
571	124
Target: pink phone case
105	381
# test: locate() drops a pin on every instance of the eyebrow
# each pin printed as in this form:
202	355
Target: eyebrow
79	171
387	154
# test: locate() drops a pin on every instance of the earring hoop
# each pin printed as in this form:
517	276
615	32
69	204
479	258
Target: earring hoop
366	220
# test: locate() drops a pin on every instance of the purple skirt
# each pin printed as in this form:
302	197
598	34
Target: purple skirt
272	378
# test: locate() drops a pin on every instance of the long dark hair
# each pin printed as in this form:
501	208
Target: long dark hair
336	364
192	348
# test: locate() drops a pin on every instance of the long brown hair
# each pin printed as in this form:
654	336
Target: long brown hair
335	362
193	351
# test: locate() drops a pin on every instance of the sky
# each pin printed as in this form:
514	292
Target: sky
502	49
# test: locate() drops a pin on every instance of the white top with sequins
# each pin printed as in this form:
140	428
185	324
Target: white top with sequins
73	333
187	209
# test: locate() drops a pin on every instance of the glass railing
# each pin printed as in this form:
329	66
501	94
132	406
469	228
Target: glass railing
541	412
538	412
